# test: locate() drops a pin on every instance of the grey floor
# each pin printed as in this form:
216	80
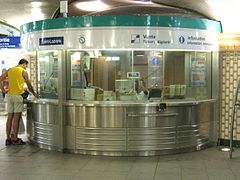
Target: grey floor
31	163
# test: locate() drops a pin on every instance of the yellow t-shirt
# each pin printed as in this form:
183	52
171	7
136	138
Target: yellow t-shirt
15	80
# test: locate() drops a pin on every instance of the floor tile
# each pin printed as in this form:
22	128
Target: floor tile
29	162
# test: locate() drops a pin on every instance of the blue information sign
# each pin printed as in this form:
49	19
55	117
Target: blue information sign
9	42
48	41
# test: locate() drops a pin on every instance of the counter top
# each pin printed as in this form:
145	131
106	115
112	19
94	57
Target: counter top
168	102
42	101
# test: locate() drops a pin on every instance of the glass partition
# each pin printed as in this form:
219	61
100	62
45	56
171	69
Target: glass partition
32	58
107	75
200	75
187	74
48	73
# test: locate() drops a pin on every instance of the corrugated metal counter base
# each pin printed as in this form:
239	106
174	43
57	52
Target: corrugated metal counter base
139	141
128	130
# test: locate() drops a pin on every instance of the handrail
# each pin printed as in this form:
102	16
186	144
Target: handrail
235	104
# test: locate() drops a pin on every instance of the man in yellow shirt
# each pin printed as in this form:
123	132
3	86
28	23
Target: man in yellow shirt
17	76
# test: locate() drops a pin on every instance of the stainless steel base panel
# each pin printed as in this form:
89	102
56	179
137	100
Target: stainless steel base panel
138	129
140	153
122	129
43	126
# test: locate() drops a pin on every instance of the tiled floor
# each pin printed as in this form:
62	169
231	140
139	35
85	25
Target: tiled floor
31	163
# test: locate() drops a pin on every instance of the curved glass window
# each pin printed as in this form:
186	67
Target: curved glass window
108	75
48	73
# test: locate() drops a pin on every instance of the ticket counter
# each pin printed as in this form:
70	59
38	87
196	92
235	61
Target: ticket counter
123	85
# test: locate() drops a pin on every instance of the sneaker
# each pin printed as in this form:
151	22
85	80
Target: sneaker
18	142
8	142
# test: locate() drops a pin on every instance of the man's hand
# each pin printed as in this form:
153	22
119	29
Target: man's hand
37	95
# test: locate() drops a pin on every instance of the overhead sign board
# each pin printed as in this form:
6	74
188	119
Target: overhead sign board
10	42
48	41
121	38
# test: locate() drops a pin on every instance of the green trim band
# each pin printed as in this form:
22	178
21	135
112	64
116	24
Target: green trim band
144	21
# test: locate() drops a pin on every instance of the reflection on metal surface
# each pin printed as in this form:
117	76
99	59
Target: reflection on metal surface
225	149
152	115
43	125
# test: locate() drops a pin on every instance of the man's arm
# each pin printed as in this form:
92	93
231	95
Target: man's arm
2	77
29	85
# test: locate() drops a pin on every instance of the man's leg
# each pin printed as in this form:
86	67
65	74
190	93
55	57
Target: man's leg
10	111
18	108
16	119
9	125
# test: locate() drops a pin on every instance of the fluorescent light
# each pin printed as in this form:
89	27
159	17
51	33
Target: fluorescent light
115	58
36	4
96	5
225	149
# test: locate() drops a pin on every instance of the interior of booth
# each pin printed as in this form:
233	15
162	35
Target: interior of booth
126	75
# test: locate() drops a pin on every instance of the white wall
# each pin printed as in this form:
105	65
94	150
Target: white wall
9	58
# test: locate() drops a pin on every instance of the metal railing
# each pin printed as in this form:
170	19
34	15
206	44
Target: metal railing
236	103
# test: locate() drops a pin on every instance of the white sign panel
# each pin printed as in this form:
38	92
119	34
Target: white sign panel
123	38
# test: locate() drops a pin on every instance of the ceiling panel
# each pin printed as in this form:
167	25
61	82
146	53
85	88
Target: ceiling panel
199	6
18	12
226	11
